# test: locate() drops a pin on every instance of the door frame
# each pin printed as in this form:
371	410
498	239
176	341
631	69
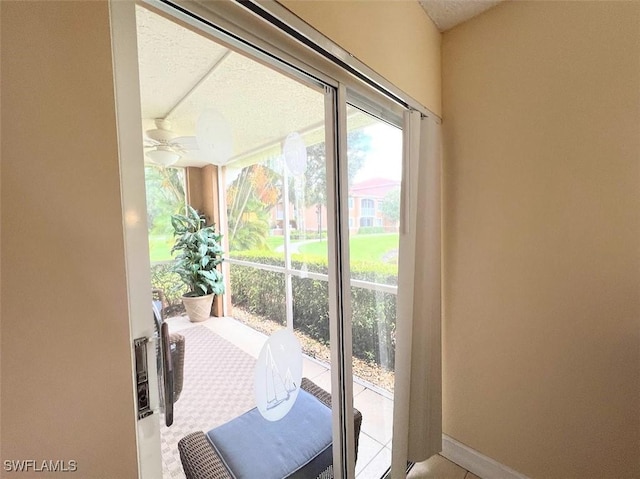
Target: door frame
134	206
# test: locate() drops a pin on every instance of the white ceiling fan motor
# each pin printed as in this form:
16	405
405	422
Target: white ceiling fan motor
162	133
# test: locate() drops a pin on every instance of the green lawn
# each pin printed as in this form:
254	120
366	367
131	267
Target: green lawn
376	248
160	247
274	241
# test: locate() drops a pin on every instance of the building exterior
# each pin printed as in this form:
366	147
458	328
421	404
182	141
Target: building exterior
366	200
366	210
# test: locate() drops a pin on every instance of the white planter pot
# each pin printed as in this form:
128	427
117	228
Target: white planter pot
198	307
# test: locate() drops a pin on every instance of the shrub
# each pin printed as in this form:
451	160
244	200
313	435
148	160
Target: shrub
373	313
259	292
263	293
307	235
163	277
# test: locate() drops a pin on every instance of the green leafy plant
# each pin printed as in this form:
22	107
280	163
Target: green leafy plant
199	255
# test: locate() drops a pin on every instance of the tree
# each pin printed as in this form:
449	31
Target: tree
258	189
249	198
165	197
358	146
390	207
315	176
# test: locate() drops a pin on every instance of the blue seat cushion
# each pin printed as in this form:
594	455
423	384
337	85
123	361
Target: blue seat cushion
296	446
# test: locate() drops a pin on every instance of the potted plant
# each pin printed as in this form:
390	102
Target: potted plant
199	254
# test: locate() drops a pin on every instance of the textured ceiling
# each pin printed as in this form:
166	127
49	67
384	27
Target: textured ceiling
183	73
447	14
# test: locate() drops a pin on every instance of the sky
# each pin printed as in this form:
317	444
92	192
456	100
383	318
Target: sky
385	158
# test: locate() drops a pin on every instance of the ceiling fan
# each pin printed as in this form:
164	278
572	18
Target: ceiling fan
164	147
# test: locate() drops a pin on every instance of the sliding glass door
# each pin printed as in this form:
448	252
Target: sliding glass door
305	190
374	156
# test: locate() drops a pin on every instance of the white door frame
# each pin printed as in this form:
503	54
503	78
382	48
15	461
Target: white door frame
134	206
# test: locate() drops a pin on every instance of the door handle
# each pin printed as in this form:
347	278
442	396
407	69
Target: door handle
167	374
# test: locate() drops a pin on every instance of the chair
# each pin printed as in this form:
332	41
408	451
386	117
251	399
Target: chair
207	456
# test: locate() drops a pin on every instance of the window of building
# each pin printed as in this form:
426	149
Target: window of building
367	207
366	221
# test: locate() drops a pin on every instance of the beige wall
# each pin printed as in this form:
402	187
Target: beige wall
66	372
542	232
395	38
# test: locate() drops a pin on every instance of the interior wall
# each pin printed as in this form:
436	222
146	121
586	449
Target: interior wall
398	40
541	105
66	360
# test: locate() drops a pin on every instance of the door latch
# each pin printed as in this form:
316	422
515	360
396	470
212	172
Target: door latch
142	378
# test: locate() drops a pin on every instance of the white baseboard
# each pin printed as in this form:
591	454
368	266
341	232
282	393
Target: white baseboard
479	464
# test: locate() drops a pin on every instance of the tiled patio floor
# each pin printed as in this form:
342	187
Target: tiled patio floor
374	454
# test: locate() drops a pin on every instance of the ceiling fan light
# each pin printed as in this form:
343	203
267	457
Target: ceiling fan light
163	156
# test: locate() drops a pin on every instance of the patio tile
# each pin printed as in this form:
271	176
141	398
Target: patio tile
357	389
179	323
324	380
312	369
373	456
436	467
368	448
247	339
378	465
377	415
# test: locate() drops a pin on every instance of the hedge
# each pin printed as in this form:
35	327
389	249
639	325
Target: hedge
373	313
162	277
263	293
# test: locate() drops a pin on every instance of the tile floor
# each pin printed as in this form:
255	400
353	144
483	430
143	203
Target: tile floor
374	455
439	467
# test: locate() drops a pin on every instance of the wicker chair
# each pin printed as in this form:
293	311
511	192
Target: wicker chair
201	461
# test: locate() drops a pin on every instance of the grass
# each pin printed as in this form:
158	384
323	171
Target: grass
361	248
377	248
274	241
160	247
